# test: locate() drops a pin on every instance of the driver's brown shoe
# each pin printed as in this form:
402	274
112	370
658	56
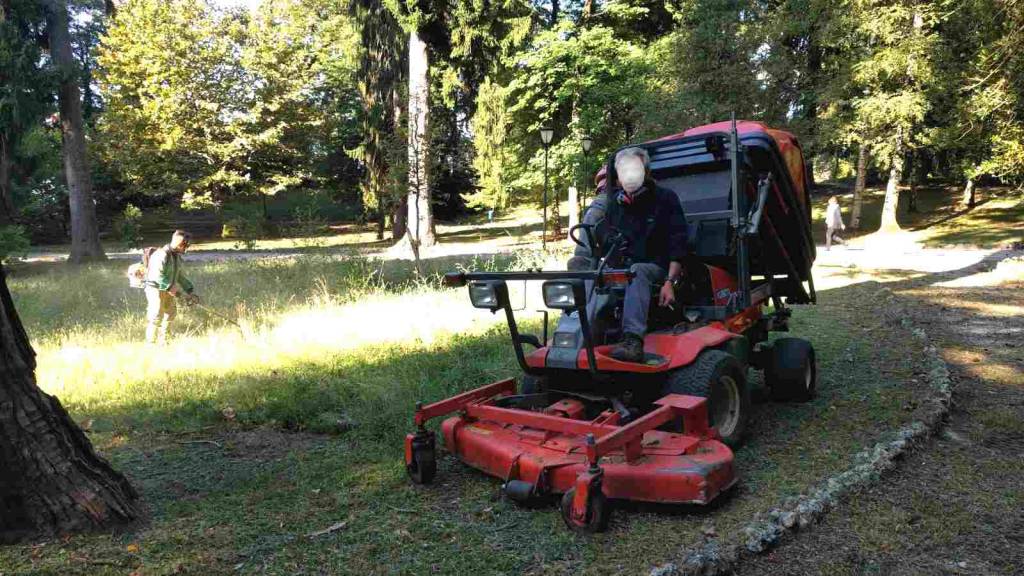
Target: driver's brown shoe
631	349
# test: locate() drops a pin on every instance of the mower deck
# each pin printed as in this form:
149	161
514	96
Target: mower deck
557	451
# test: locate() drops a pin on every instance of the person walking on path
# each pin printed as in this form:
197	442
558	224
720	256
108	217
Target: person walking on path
833	223
165	282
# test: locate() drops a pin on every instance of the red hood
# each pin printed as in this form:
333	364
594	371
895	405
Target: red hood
787	143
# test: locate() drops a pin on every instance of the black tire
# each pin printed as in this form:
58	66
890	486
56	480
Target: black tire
792	371
599	512
530	384
721	379
423	467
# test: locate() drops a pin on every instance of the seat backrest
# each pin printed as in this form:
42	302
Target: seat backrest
706	199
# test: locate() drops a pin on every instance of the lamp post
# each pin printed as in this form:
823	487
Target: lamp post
587	142
546	134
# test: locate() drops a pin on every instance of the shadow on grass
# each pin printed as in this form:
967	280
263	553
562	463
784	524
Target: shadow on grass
490	232
247	506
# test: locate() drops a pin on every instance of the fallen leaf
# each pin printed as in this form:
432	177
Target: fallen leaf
133	548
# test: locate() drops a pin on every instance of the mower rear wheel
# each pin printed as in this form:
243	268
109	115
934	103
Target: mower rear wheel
423	467
792	372
721	379
599	512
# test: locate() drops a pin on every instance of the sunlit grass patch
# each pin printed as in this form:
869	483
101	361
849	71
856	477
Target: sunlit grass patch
364	340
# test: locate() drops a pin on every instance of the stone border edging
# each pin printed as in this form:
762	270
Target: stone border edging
714	557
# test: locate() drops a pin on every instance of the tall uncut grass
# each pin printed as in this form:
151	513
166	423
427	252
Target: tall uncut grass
321	337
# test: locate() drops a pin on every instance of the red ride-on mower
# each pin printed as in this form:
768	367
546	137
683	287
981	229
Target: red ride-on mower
595	429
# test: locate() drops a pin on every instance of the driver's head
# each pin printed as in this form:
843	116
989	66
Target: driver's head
631	166
180	241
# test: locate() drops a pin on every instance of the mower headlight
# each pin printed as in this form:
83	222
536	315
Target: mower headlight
563	294
489	295
564	340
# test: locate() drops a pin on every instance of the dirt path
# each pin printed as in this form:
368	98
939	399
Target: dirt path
955	506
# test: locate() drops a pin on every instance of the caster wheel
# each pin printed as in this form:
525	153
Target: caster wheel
423	466
599	512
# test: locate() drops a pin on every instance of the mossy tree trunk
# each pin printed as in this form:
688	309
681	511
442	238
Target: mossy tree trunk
51	479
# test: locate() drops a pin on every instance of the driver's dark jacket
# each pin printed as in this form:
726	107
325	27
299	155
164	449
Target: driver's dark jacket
653	226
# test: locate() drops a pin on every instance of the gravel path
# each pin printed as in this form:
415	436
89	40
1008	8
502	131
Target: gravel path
954	507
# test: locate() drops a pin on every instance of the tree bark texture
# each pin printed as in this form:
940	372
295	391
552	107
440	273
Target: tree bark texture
968	197
85	238
51	479
7	214
400	218
420	221
858	187
892	187
913	169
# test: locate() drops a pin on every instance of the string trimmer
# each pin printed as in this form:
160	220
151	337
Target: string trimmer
213	312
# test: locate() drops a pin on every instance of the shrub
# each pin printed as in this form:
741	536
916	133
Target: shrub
13	242
129	226
307	222
246	224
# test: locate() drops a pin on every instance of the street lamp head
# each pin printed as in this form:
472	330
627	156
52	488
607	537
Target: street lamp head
587	142
546	134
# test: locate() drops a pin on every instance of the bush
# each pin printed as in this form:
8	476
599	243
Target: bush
129	226
307	222
13	242
246	224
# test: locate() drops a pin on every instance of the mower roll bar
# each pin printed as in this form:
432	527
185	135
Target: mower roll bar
600	277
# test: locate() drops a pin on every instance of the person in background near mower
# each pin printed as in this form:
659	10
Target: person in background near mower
165	281
833	223
652	227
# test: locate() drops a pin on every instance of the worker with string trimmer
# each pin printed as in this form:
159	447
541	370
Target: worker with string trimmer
161	275
164	282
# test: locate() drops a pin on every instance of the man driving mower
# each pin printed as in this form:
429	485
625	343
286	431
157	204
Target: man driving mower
651	226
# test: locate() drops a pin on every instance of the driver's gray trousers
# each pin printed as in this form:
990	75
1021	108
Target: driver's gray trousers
638	296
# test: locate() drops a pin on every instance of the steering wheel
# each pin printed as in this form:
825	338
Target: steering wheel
589	230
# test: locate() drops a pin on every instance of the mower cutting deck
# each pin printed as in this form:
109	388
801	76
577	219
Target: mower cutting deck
557	451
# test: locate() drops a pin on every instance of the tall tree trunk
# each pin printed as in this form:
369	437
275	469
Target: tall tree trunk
51	479
7	214
892	188
555	9
914	173
381	215
588	11
85	238
968	197
858	187
421	219
400	218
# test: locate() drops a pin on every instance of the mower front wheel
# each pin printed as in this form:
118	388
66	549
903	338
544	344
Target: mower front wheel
792	372
721	379
599	512
423	466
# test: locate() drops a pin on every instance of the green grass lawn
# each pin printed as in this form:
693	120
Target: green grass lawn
997	219
362	340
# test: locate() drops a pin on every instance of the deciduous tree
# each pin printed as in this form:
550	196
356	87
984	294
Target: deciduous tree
85	234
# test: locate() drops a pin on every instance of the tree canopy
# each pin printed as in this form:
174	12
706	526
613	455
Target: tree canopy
188	102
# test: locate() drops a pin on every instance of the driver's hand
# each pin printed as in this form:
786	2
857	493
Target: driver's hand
667	296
